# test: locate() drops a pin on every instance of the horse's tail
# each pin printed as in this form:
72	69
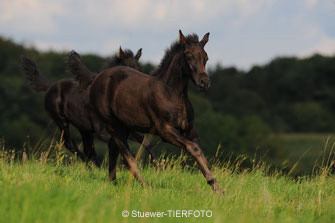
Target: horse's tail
80	72
37	82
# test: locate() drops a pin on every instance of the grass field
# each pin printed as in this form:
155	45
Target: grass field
304	149
55	190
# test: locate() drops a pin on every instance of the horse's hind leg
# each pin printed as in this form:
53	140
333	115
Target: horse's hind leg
128	157
54	105
88	144
71	145
146	143
68	141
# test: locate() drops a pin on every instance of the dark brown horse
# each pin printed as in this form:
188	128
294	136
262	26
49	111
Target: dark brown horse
67	102
85	78
127	100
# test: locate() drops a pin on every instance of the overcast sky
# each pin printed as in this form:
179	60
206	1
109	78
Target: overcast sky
243	32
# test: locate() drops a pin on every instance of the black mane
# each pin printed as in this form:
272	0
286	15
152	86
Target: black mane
172	51
115	60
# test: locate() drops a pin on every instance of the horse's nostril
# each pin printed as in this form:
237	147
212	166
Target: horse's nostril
204	83
207	84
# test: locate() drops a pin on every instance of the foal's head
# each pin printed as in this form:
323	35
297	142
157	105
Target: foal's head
196	59
126	58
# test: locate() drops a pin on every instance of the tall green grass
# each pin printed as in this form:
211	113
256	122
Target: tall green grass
49	185
308	148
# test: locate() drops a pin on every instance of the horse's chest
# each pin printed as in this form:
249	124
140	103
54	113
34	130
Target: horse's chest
183	122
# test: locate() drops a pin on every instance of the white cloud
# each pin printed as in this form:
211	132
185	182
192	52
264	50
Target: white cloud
311	3
29	16
44	45
109	47
41	15
325	46
321	43
243	32
162	13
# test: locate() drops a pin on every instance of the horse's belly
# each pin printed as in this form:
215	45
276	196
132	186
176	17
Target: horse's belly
132	115
78	115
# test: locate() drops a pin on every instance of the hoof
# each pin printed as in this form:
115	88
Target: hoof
114	181
218	189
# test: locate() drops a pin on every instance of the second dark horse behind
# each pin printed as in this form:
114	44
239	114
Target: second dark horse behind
127	100
67	102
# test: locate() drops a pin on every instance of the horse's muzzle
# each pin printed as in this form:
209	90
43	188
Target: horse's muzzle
204	82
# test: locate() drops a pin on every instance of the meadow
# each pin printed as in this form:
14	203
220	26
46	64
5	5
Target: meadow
303	150
55	187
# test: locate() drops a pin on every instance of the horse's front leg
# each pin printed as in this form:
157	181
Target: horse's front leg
113	153
173	136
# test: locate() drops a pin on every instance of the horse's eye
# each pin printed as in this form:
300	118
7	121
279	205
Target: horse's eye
189	55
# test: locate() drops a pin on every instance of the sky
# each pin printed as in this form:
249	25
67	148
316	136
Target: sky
243	33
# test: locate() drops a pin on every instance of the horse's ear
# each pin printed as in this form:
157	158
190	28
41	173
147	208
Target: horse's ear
182	38
138	54
120	53
204	40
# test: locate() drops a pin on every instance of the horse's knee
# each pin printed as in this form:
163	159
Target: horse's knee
211	181
194	149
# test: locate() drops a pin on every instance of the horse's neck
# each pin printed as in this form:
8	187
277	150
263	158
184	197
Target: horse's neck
174	77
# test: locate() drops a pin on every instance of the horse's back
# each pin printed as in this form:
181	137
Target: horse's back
122	72
110	80
119	92
65	100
